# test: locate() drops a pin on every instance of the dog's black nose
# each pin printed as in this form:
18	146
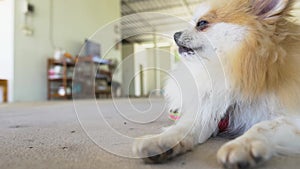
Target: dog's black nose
177	36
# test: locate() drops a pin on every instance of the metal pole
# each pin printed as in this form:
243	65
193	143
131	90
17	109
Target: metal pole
157	63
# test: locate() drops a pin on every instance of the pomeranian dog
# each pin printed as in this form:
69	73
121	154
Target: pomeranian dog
239	78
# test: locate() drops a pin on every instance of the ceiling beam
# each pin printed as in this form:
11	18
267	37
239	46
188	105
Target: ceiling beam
187	7
133	11
158	26
157	9
180	16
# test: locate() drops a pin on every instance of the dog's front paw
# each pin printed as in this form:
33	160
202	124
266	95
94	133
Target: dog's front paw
244	153
160	148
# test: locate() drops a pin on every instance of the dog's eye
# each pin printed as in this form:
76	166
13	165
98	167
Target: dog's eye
201	25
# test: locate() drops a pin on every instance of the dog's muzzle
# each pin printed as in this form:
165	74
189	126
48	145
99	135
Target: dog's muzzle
177	35
182	47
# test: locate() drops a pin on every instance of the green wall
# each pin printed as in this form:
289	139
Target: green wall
73	21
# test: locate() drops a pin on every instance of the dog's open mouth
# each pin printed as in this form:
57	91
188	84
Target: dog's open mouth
183	49
187	50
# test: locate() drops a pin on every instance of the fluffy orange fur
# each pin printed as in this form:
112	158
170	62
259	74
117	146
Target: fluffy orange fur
268	62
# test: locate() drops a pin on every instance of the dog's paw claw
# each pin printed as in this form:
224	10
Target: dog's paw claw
153	159
243	154
258	159
243	165
158	149
159	158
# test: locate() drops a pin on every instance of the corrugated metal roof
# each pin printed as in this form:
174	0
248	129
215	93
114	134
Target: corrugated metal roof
171	16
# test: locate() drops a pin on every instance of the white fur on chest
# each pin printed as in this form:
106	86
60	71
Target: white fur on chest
195	83
201	88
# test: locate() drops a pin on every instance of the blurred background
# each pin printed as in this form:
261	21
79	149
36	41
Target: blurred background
44	42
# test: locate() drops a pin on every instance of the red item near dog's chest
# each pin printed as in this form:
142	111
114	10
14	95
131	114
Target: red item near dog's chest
223	124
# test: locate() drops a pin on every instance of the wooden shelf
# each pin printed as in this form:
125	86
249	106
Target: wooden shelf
63	81
60	96
61	62
106	93
66	82
59	79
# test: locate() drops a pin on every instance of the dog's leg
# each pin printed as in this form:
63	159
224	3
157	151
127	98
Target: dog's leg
176	140
260	143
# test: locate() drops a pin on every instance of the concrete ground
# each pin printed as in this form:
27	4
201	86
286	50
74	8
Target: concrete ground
49	135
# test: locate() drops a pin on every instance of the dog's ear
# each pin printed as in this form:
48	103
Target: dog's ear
270	10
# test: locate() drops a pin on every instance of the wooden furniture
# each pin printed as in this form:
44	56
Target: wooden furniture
4	85
60	78
106	93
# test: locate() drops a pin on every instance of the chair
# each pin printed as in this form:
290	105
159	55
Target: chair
3	84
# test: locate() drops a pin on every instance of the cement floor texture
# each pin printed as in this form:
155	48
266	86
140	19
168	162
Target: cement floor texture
71	135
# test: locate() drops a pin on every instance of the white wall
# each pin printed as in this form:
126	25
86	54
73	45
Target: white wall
73	21
144	55
6	43
128	70
165	62
140	58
